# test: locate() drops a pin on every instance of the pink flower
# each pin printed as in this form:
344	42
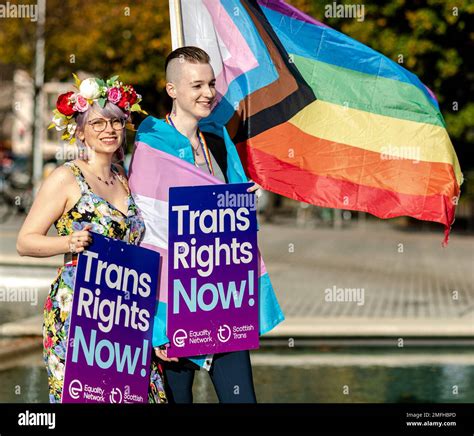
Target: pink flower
114	95
48	342
49	304
81	104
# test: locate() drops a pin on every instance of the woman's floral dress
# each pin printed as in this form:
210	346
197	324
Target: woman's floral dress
105	220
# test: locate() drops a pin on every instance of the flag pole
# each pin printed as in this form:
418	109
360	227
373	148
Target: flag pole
176	23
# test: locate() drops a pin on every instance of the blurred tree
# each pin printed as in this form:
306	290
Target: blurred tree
435	38
132	39
104	38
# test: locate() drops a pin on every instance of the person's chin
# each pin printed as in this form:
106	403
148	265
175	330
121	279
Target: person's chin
108	147
203	112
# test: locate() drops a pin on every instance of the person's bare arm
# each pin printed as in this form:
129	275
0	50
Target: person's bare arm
48	206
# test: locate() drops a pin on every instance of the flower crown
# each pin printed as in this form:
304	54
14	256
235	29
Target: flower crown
89	91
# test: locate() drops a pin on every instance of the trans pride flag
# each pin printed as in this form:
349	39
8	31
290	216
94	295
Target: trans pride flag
321	118
163	158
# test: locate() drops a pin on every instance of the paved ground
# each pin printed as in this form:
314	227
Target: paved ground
411	285
392	282
403	274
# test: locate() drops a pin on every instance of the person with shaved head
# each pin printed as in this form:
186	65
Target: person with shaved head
191	85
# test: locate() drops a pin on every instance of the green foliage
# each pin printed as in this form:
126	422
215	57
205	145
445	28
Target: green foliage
103	38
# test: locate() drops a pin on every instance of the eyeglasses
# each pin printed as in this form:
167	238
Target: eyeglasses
100	124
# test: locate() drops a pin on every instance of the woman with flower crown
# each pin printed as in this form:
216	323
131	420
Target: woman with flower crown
84	196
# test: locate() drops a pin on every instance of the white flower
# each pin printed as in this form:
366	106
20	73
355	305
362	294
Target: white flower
86	205
104	220
56	367
60	122
71	128
98	228
64	299
89	89
84	188
103	209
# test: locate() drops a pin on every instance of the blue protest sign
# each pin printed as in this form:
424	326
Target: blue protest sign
212	270
109	348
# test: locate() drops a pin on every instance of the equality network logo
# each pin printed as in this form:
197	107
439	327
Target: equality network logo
224	333
75	389
180	337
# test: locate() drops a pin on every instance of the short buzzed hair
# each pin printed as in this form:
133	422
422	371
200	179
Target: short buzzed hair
194	55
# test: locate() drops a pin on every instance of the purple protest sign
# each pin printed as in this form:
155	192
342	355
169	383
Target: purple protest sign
212	270
109	347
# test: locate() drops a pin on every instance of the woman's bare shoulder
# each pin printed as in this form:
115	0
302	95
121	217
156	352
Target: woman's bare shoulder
120	169
61	176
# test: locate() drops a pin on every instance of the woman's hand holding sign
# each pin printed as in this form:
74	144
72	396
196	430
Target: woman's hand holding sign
78	241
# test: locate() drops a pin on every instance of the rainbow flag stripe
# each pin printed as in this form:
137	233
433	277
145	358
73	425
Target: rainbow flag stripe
321	118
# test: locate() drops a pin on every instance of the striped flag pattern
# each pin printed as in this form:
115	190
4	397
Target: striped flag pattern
163	158
321	118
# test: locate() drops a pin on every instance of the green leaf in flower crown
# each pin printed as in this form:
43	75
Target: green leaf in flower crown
77	81
100	82
102	101
111	81
136	108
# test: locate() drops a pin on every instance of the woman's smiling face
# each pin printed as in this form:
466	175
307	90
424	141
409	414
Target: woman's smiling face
102	134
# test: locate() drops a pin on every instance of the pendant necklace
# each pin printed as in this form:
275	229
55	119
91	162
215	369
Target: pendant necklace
107	182
203	144
110	182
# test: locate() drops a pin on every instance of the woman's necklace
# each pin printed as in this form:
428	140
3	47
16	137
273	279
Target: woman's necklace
203	144
107	182
110	182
